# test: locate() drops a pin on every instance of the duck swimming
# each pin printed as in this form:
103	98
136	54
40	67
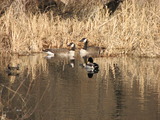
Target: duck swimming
11	68
91	67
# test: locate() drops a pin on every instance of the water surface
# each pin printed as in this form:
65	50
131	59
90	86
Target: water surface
124	88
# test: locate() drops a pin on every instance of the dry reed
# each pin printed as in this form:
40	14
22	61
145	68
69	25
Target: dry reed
133	30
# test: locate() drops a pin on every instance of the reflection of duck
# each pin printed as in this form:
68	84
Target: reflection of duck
61	52
13	73
88	50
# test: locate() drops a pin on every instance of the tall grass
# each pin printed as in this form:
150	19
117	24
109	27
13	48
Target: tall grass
134	29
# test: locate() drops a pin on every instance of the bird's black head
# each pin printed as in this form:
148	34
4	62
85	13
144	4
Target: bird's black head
90	59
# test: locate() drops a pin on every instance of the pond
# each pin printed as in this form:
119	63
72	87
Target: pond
124	88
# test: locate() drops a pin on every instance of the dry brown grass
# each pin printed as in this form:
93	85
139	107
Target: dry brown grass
133	30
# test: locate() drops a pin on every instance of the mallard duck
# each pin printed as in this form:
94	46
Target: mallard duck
91	67
13	67
13	70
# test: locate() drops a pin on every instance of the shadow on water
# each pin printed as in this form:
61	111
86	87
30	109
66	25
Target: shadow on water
60	89
115	76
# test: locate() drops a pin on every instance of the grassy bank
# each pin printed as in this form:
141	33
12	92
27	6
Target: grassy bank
134	29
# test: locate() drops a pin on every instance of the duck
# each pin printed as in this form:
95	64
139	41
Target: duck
91	67
12	68
61	52
89	50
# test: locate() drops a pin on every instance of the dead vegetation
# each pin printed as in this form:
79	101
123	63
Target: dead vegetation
134	29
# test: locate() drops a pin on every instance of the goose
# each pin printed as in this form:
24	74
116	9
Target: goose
61	52
88	50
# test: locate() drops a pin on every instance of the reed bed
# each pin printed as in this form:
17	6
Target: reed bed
134	29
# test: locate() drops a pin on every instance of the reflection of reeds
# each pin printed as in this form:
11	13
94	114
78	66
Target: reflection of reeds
142	71
117	77
134	30
29	65
18	88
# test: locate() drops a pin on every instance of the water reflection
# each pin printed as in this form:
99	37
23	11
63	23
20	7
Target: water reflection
59	88
116	78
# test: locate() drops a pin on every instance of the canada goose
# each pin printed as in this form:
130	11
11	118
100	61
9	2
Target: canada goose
88	50
61	52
